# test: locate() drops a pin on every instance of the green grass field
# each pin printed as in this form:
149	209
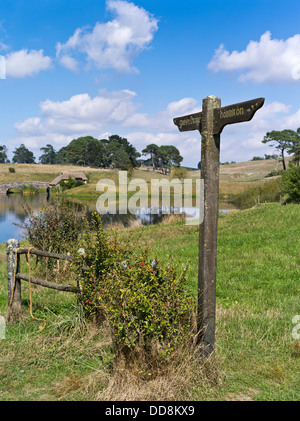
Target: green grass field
256	358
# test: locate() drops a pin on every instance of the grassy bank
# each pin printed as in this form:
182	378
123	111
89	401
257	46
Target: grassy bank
257	297
235	179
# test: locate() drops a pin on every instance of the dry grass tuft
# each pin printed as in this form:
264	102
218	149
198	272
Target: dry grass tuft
180	378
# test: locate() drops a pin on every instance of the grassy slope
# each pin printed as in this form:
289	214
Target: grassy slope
234	178
257	297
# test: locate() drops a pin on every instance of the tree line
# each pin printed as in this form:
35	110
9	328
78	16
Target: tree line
117	152
114	152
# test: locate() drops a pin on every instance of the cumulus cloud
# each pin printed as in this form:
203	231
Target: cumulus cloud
69	62
62	121
268	60
31	125
163	120
108	112
113	44
82	113
85	114
24	63
116	112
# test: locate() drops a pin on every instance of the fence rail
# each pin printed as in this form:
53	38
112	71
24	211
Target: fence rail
14	277
46	284
45	254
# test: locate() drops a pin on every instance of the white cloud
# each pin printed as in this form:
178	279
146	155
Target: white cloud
69	62
268	60
108	112
3	47
24	63
188	144
80	115
113	44
111	112
30	126
163	120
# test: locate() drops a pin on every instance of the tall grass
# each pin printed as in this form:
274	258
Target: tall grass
268	192
256	358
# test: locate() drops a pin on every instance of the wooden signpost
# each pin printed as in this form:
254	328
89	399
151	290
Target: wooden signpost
210	122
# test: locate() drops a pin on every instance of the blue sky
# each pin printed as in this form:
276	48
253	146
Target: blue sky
97	67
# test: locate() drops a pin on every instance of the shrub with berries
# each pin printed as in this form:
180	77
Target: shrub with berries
143	300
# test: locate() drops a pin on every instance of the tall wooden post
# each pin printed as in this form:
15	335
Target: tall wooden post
12	264
210	122
210	158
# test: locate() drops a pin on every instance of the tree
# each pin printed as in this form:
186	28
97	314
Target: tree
121	160
114	152
291	183
164	156
273	156
61	156
295	148
3	154
152	150
49	155
22	155
116	156
127	147
83	151
281	140
168	156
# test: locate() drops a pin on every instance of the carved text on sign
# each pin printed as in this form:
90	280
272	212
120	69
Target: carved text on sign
188	122
235	113
231	113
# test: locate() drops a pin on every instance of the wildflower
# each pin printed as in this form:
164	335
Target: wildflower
81	252
124	264
154	264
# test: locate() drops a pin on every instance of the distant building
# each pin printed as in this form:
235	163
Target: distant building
77	176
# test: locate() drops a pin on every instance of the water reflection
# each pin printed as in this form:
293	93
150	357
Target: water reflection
13	213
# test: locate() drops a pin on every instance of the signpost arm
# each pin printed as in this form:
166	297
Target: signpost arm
210	158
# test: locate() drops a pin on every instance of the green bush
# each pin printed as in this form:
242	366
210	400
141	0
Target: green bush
179	172
291	183
268	192
143	301
70	184
11	169
274	173
28	188
56	228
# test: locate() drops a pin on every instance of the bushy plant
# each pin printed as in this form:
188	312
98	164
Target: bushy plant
11	169
268	192
28	189
274	173
70	184
179	172
144	302
56	228
291	183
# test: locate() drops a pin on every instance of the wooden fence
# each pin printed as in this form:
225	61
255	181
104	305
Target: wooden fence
14	277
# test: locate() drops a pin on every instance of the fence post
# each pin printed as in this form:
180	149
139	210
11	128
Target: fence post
11	247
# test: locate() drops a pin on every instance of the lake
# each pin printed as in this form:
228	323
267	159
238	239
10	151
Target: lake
13	213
